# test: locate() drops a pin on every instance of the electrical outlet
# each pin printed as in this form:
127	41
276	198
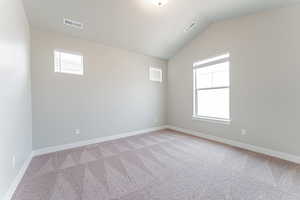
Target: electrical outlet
244	132
77	131
14	162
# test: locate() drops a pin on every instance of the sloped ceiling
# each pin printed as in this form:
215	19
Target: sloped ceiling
138	25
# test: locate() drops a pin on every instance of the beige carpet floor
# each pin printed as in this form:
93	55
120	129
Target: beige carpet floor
163	165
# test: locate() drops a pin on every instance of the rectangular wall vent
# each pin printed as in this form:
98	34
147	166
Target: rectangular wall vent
73	24
155	74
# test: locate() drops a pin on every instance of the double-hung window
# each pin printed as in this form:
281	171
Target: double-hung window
212	88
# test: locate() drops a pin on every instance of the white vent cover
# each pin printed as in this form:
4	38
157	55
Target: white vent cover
73	24
155	74
191	26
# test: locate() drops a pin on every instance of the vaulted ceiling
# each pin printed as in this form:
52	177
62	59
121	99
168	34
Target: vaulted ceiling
139	25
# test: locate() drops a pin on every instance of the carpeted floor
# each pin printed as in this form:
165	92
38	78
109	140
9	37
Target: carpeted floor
163	165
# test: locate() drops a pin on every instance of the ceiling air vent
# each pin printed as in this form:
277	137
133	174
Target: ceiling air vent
191	26
73	24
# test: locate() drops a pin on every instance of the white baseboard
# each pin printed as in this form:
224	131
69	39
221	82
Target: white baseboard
37	152
269	152
18	178
93	141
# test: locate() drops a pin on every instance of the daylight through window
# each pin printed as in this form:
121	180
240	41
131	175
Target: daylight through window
212	88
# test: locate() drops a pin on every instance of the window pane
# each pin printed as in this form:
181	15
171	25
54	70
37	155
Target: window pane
213	103
71	63
68	63
213	76
220	74
203	79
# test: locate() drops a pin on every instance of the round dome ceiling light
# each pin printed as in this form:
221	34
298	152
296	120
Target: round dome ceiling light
160	3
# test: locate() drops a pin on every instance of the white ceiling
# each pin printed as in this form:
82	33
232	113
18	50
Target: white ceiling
138	25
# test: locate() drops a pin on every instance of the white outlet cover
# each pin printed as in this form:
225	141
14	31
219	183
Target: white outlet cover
14	162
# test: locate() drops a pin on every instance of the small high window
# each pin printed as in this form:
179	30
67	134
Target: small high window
70	63
212	88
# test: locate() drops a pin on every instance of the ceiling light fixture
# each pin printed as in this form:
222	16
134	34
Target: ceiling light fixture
160	3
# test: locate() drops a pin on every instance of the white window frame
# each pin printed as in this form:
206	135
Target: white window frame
206	63
57	69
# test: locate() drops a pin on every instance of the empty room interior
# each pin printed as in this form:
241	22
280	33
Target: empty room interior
150	100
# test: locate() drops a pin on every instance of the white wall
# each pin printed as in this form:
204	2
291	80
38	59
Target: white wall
15	96
265	79
114	95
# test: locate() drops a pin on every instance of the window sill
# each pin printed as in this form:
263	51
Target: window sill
212	120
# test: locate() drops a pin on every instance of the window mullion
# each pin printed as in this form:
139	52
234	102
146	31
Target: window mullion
212	88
